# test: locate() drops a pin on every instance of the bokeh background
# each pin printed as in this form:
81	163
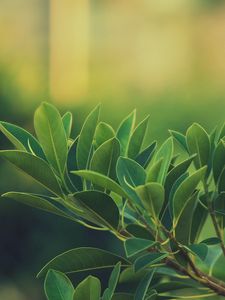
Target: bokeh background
165	58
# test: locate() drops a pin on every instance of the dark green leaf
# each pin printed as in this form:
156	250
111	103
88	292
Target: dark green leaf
139	231
148	259
144	158
67	120
198	221
180	138
143	286
104	132
221	181
219	160
200	250
88	289
114	277
211	241
122	296
135	245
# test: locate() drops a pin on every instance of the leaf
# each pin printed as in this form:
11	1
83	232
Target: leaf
105	158
83	259
101	207
114	277
84	146
139	231
35	167
221	182
200	250
152	196
88	289
180	138
198	143
165	152
130	174
124	131
67	120
154	171
137	139
198	221
146	155
148	260
122	296
135	245
102	181
58	286
143	286
211	241
21	139
104	132
218	160
51	134
184	192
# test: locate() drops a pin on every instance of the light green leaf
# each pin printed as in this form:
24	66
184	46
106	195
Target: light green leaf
135	245
102	181
143	286
83	259
198	143
88	289
85	142
153	173
219	160
104	132
67	120
145	157
105	158
165	152
51	134
148	259
184	192
100	206
125	130
137	139
114	277
180	138
152	196
21	139
58	286
35	167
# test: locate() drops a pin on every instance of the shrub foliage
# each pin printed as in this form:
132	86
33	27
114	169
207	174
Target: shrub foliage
154	201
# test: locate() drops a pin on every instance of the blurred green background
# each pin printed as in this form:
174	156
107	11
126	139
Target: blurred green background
165	58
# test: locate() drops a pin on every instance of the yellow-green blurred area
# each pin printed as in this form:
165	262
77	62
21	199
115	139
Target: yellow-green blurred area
165	58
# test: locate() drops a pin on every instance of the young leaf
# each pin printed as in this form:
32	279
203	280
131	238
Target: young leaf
219	160
88	289
105	158
51	134
137	139
180	138
83	259
143	286
165	152
100	206
84	146
58	286
114	277
124	131
35	167
102	181
198	143
144	158
130	174
153	173
152	196
104	132
148	260
21	139
67	120
135	245
184	192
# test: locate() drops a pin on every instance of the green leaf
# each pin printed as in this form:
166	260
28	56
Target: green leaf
165	152
145	157
114	277
105	158
180	138
102	181
100	206
35	167
122	296
152	196
211	241
221	182
198	143
58	286
21	139
143	286
200	250
124	131
130	175
137	139
88	289
184	192
104	132
83	259
153	173
67	120
84	146
198	220
219	160
51	134
135	245
139	231
148	259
